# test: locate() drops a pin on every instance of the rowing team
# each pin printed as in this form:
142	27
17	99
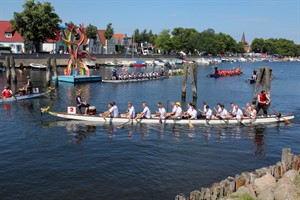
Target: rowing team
178	113
135	75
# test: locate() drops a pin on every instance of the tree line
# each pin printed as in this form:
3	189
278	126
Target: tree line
38	22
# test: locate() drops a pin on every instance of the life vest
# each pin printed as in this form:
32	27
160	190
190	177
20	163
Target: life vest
6	94
262	97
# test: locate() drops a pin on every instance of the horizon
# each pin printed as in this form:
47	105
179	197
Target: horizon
257	19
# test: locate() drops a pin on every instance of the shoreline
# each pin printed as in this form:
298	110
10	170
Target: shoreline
280	181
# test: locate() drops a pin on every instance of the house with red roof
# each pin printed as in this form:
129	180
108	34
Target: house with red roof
10	38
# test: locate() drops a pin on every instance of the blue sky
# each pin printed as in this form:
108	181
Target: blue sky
257	18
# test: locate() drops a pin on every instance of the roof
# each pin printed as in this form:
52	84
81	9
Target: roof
119	35
102	37
5	27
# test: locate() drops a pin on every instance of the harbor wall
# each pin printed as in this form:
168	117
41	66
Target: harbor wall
262	183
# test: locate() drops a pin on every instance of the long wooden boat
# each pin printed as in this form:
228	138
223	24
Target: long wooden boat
245	121
23	97
133	80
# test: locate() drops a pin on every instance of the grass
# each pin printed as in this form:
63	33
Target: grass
242	197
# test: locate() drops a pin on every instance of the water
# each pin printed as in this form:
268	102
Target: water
42	157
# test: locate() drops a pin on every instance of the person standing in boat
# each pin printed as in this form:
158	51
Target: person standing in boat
114	74
6	93
146	112
263	102
80	103
28	86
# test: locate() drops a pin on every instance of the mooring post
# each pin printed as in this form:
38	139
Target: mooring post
13	69
184	77
54	65
193	74
263	82
7	65
258	83
48	72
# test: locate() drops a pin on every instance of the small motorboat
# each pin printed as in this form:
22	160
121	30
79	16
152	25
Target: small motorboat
19	96
36	66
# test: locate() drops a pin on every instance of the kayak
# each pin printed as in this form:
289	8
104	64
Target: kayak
19	97
99	119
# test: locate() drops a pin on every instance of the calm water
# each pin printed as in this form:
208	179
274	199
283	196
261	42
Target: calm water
42	157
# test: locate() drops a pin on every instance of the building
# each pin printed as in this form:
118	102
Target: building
10	38
245	44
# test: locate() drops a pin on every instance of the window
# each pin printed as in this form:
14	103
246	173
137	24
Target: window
8	35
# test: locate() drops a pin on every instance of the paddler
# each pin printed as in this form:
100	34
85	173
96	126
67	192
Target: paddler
28	86
80	103
263	102
6	93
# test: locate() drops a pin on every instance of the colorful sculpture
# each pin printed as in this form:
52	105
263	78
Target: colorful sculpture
75	37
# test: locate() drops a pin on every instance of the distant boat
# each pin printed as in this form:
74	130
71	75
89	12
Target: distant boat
89	63
139	63
112	64
36	66
202	61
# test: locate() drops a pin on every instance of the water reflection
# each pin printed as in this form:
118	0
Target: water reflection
257	134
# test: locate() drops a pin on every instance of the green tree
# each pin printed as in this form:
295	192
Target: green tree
109	31
258	45
164	42
36	23
91	32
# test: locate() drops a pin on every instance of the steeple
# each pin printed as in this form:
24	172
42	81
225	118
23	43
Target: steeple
243	40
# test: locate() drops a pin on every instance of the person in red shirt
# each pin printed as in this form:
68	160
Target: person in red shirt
263	102
6	93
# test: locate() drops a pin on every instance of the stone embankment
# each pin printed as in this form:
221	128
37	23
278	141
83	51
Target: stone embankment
277	182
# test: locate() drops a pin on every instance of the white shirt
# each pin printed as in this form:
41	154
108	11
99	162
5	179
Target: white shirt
193	114
233	111
204	108
162	113
224	113
178	112
208	114
238	113
174	109
189	111
219	109
131	112
147	112
116	111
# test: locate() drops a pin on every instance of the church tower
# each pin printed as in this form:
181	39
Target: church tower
244	43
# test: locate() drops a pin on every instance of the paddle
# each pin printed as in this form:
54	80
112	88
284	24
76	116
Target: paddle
190	124
123	124
278	114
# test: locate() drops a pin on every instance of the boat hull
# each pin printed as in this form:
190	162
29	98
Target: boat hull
134	80
99	119
23	97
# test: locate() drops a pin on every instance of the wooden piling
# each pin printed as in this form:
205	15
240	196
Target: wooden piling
13	69
54	65
183	88
193	74
7	70
48	72
263	82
